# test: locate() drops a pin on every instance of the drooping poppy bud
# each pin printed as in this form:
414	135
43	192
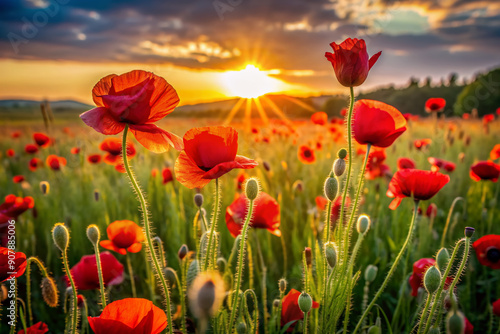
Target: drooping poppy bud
432	279
305	302
60	235
363	224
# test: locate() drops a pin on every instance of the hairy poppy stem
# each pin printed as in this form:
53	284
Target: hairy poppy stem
393	267
99	274
131	274
239	273
450	213
74	292
43	270
437	296
208	252
149	241
326	284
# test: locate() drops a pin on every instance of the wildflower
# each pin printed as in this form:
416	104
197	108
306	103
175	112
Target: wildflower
485	170
422	143
167	175
209	153
85	272
14	206
34	164
94	158
75	150
435	104
38	328
377	123
437	164
31	149
488	118
320	118
495	152
488	250
124	236
306	155
55	162
375	166
129	316
350	61
266	214
10	153
406	163
41	139
137	99
291	311
321	204
18	178
416	279
419	184
8	271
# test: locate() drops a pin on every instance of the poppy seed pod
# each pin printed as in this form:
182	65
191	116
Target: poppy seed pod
331	188
331	254
363	224
60	235
93	234
469	232
182	252
442	259
198	200
267	166
305	302
282	285
455	323
339	167
241	328
342	153
371	273
49	292
45	187
252	189
432	279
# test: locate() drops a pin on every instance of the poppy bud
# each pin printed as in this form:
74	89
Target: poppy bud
49	292
305	302
198	200
469	232
276	303
282	285
363	224
308	256
241	328
93	234
331	254
267	166
206	294
60	235
96	195
182	252
192	272
442	259
252	189
221	264
342	153
44	187
298	186
80	301
170	276
374	330
339	167
455	323
371	273
432	279
331	188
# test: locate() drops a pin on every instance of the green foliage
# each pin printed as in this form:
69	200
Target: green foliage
483	94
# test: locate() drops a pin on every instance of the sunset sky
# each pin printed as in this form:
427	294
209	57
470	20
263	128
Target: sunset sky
58	49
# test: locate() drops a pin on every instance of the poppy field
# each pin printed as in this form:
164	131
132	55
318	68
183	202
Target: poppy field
130	220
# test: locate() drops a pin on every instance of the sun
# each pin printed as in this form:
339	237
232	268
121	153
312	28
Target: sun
250	82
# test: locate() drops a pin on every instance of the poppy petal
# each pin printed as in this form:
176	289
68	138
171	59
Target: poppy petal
188	173
102	121
155	139
102	88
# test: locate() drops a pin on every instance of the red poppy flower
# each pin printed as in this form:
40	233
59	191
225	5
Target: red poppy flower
55	162
375	167
320	118
34	164
406	163
488	118
422	143
154	172
85	272
240	180
209	153
136	98
167	175
435	104
38	328
129	316
416	280
377	123
496	307
41	139
30	148
465	115
322	202
291	311
255	131
495	152
488	250
14	206
266	214
485	170
419	184
437	164
124	235
350	61
18	178
75	150
113	147
432	210
10	152
306	155
15	134
94	158
10	270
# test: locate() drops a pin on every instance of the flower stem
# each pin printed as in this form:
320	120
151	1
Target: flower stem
149	241
213	225
99	274
443	237
131	274
239	273
74	293
393	267
424	311
326	285
43	270
305	322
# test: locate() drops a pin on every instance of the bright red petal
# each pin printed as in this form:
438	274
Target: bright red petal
155	139
102	121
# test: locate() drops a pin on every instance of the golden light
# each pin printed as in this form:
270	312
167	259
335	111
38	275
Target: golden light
250	82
